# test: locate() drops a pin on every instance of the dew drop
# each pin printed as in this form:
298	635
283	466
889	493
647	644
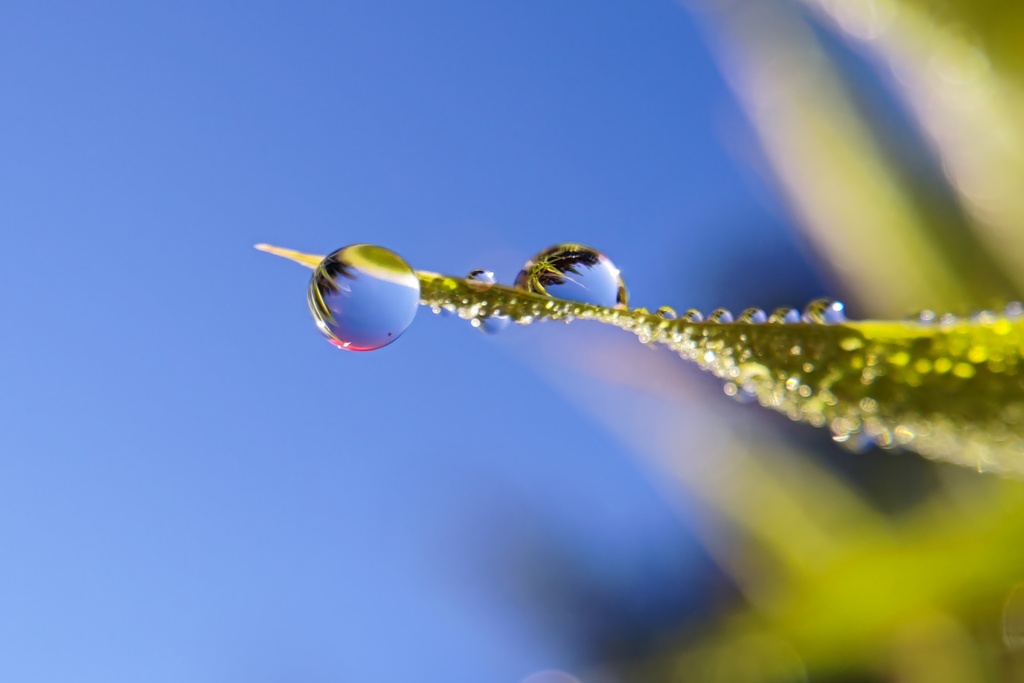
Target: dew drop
983	317
576	273
739	393
1014	310
720	315
363	297
493	322
825	312
480	280
753	315
665	313
855	442
480	275
692	315
784	316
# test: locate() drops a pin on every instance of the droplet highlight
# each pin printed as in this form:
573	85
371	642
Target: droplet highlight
363	297
575	273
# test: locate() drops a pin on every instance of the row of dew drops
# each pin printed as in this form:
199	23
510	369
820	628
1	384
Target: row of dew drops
363	297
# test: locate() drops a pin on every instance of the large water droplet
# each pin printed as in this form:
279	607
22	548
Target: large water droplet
576	273
363	297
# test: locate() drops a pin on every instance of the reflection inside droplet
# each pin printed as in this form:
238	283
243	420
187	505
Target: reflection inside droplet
576	273
363	297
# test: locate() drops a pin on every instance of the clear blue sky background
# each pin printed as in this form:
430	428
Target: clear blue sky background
194	485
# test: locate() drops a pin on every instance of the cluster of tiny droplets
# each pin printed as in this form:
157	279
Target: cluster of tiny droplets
852	384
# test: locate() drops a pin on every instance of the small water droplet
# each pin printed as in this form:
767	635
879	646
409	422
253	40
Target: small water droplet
738	393
855	442
851	343
480	275
666	313
692	315
983	317
480	280
363	297
784	316
720	315
825	312
576	273
926	317
753	315
494	322
1014	310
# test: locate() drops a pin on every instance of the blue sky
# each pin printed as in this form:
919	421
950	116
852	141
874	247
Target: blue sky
195	485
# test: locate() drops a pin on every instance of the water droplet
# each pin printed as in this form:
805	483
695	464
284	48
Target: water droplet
825	312
753	315
363	297
739	393
480	280
478	275
692	315
576	273
855	442
1014	310
784	316
493	323
983	317
666	313
926	317
720	315
851	343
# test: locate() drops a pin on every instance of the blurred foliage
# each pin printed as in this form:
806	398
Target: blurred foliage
994	24
927	594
